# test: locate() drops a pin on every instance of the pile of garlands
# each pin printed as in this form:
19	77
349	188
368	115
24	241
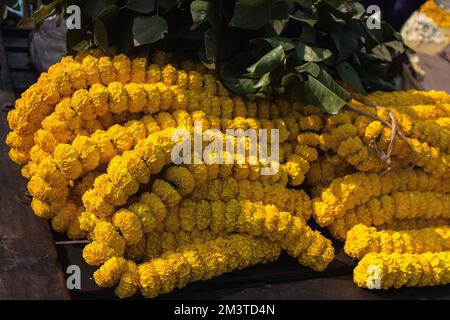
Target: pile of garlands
94	137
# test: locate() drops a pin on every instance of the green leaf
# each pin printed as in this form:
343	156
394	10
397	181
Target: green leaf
309	67
304	17
359	10
274	42
276	27
26	23
381	52
349	74
3	11
199	11
96	8
263	81
141	6
327	80
323	96
211	45
14	4
269	62
330	18
148	29
250	14
40	15
397	47
346	43
101	35
325	92
287	79
307	53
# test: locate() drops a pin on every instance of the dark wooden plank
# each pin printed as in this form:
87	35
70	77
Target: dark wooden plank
29	267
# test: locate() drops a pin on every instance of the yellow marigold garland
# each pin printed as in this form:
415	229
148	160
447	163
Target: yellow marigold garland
68	127
189	263
397	206
344	194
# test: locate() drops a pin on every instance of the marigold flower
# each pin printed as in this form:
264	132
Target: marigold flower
105	146
96	204
96	253
41	190
181	178
87	221
66	158
45	140
166	192
88	153
99	98
156	206
129	224
106	70
74	230
129	281
118	97
90	65
122	64
64	217
138	67
296	167
45	210
109	274
121	138
122	178
83	106
313	122
136	252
